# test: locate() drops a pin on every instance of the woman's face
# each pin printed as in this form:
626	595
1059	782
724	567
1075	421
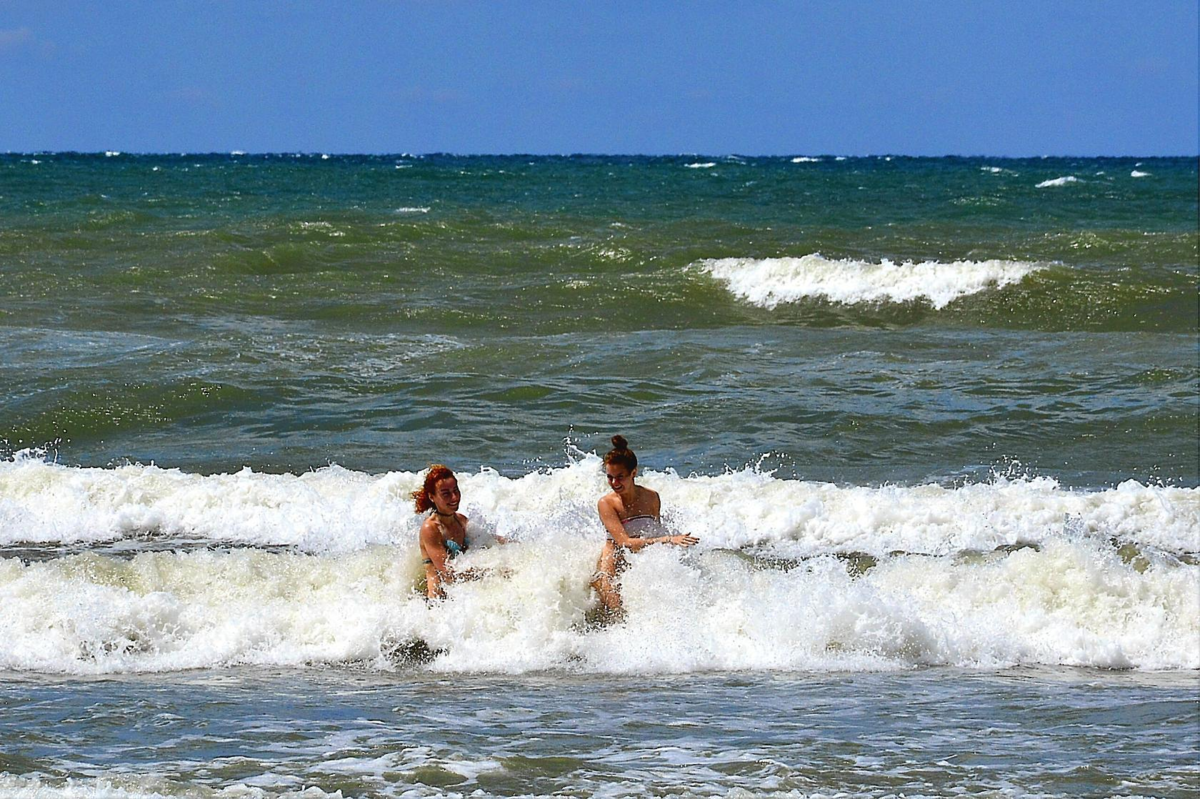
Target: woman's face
446	495
619	477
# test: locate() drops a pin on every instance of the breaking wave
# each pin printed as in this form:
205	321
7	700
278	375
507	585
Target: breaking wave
768	282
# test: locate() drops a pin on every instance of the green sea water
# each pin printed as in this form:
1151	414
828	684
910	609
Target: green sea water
288	311
932	420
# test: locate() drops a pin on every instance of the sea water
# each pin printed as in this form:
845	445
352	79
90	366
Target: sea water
932	420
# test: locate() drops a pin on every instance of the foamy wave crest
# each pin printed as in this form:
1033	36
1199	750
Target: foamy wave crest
1139	174
767	282
1063	181
705	165
155	570
1072	601
338	510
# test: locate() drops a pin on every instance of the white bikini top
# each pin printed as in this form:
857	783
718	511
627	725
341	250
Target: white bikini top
641	526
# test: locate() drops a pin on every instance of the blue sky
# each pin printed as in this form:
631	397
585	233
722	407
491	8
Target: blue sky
919	77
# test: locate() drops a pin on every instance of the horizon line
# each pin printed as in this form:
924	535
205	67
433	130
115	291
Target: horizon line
113	153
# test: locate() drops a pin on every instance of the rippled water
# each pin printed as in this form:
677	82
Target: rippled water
932	733
864	319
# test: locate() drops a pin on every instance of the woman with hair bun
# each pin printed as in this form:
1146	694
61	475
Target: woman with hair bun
444	532
630	514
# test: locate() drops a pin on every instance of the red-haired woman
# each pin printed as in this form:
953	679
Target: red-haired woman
444	533
630	514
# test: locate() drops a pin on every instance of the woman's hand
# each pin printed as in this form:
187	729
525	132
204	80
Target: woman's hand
682	540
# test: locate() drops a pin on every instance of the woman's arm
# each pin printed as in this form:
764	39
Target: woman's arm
612	523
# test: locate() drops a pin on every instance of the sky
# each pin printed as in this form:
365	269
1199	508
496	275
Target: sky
853	77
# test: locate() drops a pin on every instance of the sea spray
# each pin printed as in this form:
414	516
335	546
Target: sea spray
1072	601
333	509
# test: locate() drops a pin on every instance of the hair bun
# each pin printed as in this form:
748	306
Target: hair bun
619	442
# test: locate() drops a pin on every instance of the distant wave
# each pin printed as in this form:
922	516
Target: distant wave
1063	181
790	575
767	282
805	159
705	165
1138	174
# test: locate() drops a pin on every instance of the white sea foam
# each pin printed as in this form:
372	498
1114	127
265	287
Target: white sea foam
111	153
767	282
129	786
1137	174
1075	601
788	574
995	170
805	159
705	165
1063	181
413	210
338	510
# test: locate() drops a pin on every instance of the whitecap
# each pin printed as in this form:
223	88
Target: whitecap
111	153
1138	174
1063	181
768	282
416	209
705	165
804	159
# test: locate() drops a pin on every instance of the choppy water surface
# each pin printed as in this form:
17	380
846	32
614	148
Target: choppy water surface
933	421
933	733
863	319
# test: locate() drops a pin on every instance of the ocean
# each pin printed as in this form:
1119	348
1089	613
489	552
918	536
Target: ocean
933	420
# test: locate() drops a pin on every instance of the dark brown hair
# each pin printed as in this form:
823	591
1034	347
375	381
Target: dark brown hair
621	454
437	472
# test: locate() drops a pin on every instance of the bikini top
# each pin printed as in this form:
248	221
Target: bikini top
641	526
453	549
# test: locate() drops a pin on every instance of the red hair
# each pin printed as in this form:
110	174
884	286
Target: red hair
437	473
